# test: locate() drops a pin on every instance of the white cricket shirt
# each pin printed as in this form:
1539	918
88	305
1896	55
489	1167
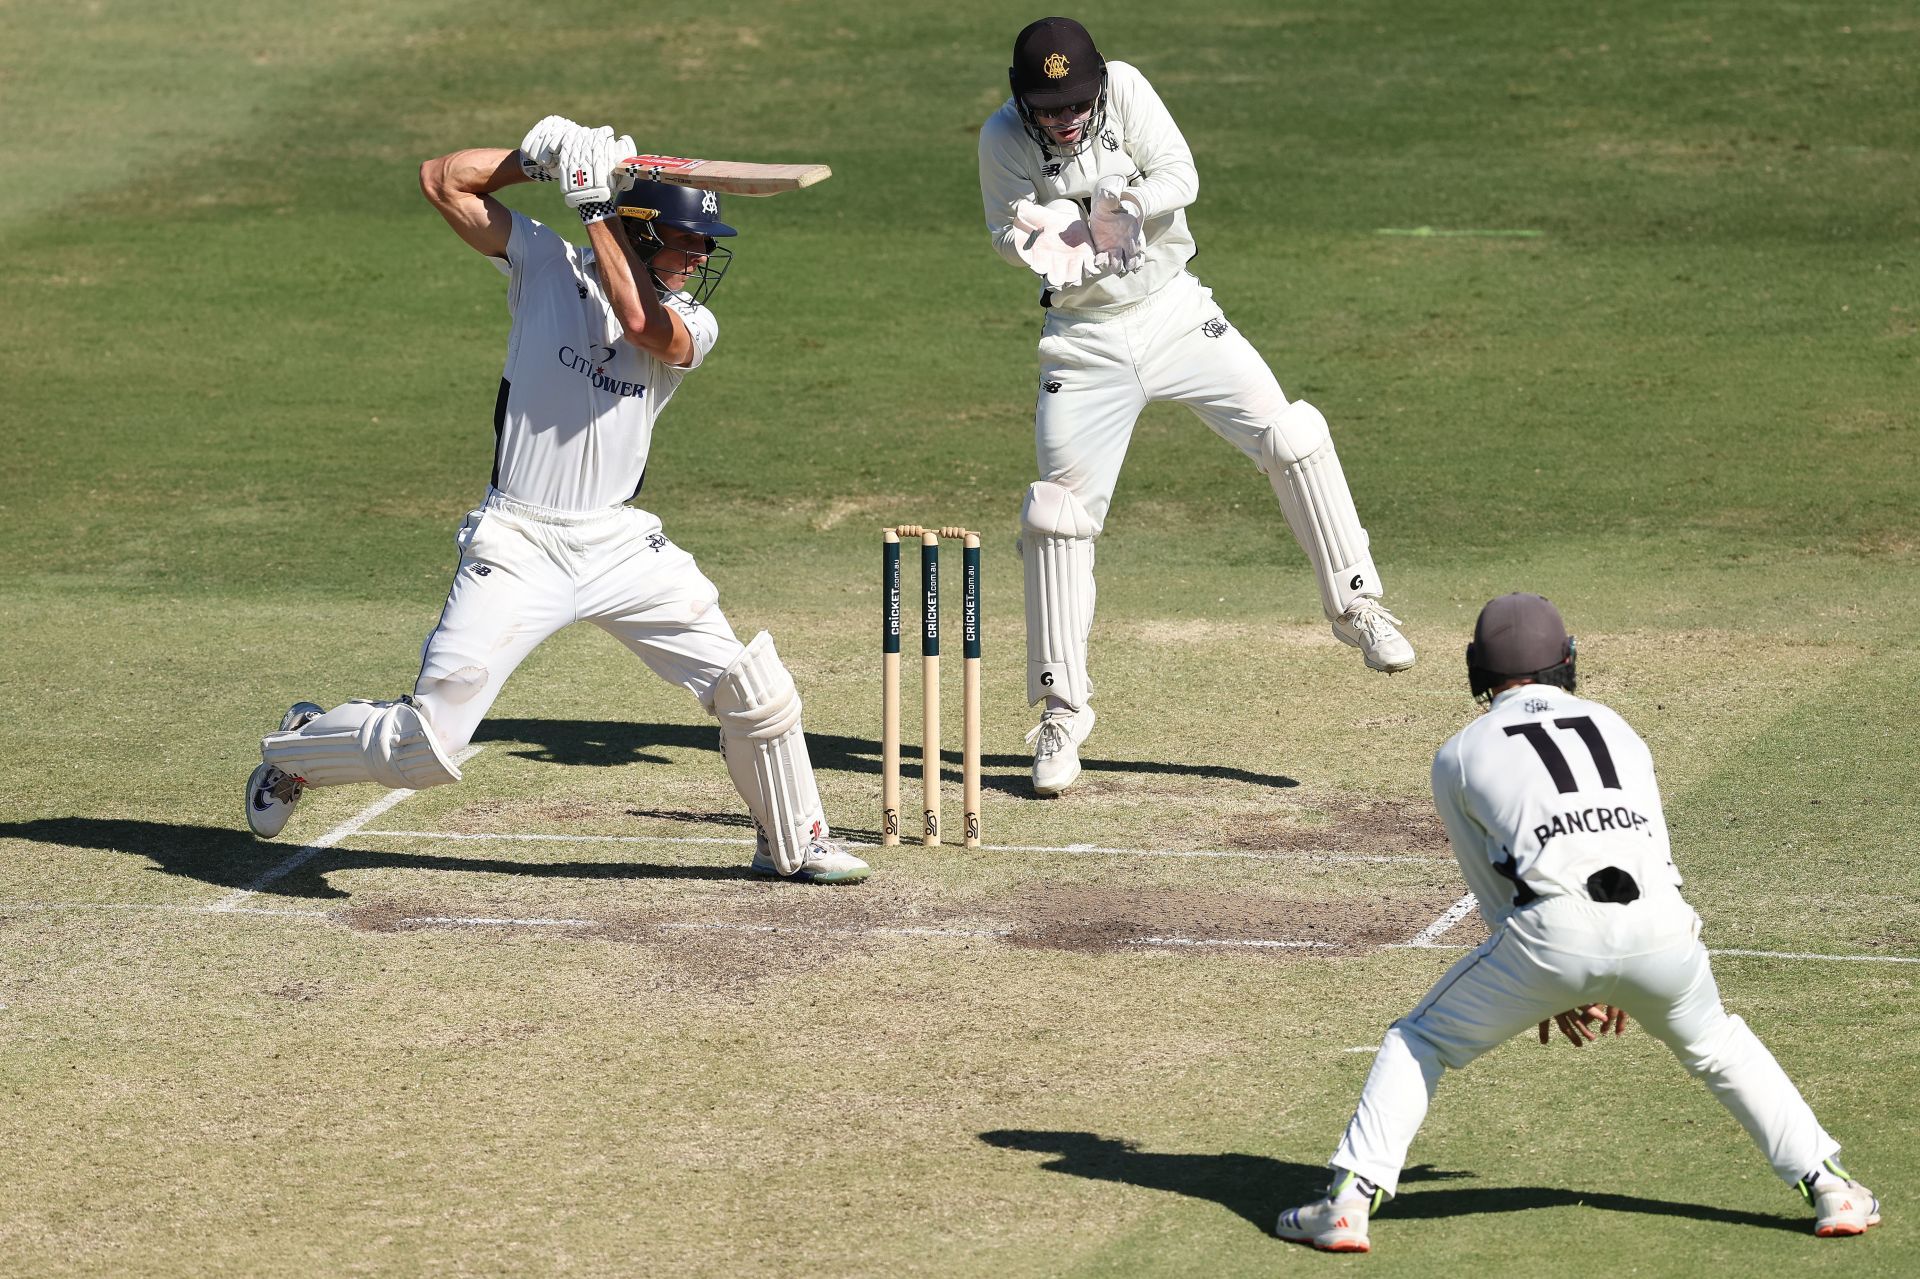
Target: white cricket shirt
1140	142
1551	787
574	420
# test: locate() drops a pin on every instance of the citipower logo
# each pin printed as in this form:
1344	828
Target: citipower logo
592	366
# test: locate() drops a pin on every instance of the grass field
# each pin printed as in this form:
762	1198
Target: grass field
542	1023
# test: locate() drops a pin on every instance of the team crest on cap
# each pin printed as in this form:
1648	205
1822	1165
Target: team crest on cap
1056	66
710	203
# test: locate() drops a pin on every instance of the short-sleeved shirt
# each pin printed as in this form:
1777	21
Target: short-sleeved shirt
1544	790
574	420
1139	142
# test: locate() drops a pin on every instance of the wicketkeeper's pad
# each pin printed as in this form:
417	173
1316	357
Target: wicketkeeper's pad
1056	550
1298	456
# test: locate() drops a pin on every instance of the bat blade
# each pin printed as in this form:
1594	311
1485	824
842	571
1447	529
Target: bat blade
729	177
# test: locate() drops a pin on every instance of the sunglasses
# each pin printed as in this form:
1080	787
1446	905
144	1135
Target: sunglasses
1066	112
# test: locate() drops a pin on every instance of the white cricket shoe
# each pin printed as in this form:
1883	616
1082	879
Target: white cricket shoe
1337	1223
272	794
1841	1205
826	862
1368	627
1056	748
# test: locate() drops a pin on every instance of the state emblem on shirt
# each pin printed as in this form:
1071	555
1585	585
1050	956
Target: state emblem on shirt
1056	66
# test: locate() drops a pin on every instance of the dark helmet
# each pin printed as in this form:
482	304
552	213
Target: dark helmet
647	206
1519	637
1056	65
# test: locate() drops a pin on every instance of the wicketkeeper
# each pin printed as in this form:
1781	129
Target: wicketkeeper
601	338
1086	179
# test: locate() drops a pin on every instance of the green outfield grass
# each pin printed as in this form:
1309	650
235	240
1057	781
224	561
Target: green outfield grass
248	377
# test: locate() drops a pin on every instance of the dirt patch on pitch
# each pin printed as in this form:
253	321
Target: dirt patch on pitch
1108	919
728	937
1397	827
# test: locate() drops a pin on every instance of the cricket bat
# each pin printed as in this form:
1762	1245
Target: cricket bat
729	177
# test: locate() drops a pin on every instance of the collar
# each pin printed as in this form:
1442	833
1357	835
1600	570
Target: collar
1549	690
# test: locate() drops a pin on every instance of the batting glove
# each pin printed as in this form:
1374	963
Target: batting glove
1116	225
540	149
587	160
1054	241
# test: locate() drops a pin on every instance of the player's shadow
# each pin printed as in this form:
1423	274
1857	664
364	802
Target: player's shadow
235	859
604	743
1257	1187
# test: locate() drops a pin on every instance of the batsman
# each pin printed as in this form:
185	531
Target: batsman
602	336
1086	180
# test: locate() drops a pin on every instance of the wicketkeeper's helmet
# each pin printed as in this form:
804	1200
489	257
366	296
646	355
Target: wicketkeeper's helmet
648	206
1056	65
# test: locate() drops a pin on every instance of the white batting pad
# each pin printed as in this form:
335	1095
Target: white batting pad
1298	456
388	743
1056	550
759	712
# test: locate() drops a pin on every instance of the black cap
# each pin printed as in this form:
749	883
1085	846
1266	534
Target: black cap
1055	63
1518	634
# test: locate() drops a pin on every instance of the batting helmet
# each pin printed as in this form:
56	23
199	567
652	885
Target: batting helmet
648	206
1056	65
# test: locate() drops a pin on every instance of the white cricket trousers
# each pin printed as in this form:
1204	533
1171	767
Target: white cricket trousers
1098	372
1566	952
526	571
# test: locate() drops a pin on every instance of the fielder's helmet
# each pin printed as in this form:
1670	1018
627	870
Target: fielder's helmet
1056	65
647	206
1519	636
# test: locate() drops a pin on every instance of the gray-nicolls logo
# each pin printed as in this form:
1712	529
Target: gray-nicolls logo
1216	326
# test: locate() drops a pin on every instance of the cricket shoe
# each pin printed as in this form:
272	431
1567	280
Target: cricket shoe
1841	1205
1337	1223
1056	747
271	793
825	863
1368	627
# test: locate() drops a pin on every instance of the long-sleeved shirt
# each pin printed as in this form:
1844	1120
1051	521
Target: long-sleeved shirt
1139	141
1544	790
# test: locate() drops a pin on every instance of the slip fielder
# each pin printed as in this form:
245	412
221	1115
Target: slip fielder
1554	815
1085	179
601	338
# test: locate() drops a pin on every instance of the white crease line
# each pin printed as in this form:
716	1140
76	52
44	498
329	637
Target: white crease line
497	922
302	855
1838	959
1260	942
1362	1048
164	909
1082	849
559	839
837	932
1452	915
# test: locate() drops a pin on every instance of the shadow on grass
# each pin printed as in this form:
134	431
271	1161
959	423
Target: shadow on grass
604	743
235	859
1257	1187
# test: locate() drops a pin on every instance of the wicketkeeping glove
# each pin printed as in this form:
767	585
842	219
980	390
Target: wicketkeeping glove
1115	224
587	160
1054	241
540	149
